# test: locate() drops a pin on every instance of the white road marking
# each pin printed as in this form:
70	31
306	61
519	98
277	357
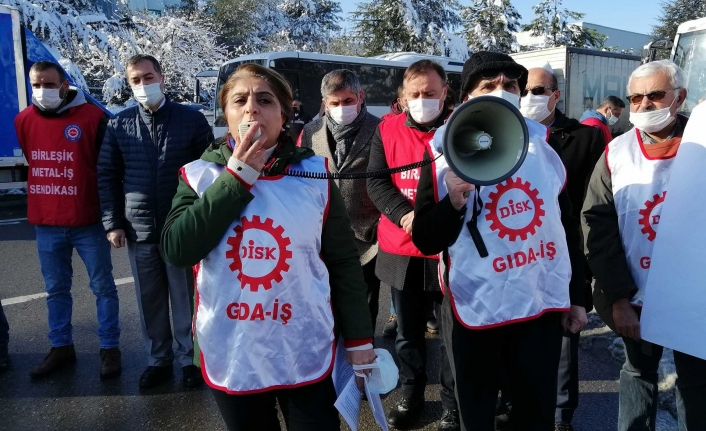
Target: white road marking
13	220
126	280
21	299
26	298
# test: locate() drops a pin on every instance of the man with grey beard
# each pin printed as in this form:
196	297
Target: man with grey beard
621	219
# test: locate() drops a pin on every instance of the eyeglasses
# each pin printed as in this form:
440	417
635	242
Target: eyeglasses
654	96
493	73
537	91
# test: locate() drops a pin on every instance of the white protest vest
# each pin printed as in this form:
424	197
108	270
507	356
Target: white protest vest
528	270
263	312
639	189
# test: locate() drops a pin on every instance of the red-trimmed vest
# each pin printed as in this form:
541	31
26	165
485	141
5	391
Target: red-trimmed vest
62	185
639	185
527	272
403	145
263	300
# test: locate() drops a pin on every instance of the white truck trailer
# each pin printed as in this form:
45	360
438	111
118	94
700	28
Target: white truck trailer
19	50
585	76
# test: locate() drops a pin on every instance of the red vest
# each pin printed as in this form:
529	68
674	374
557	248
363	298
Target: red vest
403	145
62	185
595	122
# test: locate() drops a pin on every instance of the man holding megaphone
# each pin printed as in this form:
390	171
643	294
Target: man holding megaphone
496	208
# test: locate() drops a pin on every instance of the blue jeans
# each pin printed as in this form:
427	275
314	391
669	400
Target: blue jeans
638	389
55	245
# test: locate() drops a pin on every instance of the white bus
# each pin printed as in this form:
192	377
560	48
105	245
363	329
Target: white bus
379	76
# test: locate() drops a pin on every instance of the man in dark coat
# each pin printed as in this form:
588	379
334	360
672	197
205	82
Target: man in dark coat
143	150
581	147
299	119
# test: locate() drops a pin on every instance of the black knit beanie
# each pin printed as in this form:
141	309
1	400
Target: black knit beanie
486	60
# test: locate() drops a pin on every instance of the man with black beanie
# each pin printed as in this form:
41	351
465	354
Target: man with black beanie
505	309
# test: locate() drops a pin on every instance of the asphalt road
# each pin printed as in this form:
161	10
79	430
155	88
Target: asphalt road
76	399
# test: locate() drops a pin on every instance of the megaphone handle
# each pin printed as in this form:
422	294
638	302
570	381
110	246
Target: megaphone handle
472	225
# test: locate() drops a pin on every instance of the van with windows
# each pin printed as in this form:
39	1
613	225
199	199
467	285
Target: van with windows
379	76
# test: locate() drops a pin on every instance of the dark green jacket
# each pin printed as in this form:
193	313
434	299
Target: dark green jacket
604	245
196	225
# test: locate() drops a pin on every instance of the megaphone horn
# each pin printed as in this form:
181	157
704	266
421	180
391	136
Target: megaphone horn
485	141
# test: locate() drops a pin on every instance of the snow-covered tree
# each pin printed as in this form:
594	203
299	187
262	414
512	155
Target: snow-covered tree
237	23
552	23
76	31
387	26
629	51
94	48
344	43
183	44
311	24
410	25
276	25
675	12
489	25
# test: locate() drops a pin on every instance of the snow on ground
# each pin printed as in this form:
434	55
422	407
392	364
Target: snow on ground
13	192
666	415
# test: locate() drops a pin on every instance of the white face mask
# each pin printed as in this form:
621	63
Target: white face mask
510	97
535	107
343	115
612	119
424	110
384	373
148	95
47	98
653	121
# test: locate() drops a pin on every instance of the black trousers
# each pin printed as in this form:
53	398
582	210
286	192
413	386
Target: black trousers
307	408
529	351
567	390
373	283
411	307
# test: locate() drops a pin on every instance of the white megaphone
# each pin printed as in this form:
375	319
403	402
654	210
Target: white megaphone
485	141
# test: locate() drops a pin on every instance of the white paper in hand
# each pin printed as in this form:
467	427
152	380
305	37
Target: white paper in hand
675	296
376	407
348	404
342	370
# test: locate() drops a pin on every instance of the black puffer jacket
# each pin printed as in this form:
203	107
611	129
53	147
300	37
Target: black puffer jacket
138	167
581	147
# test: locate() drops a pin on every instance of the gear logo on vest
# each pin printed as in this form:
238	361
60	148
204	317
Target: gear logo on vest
259	253
515	209
649	221
73	132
